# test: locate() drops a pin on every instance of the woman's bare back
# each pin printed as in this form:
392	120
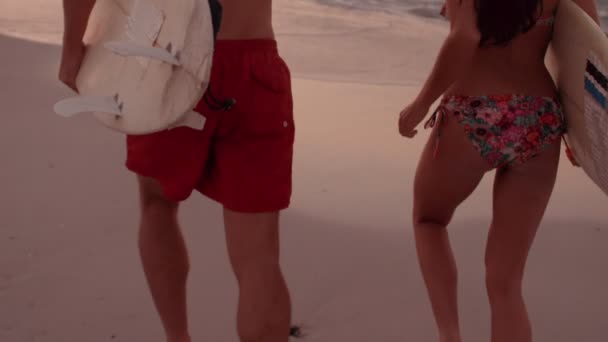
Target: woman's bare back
518	68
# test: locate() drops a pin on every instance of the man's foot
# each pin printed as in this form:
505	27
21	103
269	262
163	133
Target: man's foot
295	331
183	339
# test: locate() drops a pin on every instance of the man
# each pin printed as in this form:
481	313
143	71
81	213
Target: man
242	159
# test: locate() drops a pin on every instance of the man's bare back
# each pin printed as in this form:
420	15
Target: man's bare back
246	19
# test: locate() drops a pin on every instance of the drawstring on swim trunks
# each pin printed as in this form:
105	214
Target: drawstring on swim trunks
216	104
438	115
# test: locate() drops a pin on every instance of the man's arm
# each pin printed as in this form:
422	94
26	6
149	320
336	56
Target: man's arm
75	18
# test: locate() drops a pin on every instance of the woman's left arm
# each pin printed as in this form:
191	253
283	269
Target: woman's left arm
451	64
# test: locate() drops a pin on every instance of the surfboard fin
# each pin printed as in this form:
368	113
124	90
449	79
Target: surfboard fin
83	104
192	119
128	49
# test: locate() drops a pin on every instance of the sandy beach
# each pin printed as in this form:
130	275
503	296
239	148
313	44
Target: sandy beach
69	268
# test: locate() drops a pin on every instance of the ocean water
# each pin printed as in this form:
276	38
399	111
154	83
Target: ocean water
426	8
420	7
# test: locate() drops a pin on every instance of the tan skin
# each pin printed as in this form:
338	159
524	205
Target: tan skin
252	239
521	192
244	19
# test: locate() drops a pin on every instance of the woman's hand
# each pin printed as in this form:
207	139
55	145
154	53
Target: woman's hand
411	117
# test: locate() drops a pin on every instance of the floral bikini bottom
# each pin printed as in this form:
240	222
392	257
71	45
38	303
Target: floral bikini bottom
505	130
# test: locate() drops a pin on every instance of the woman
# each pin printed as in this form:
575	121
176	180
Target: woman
499	112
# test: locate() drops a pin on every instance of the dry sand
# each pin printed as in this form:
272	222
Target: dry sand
69	269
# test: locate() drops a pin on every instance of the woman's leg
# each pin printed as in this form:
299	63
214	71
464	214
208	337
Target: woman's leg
521	194
441	184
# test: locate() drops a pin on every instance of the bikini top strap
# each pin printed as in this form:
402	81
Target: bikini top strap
546	20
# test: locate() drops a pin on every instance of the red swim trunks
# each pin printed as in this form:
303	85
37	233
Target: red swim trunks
243	156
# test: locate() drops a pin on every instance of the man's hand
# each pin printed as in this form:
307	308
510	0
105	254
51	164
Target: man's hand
71	60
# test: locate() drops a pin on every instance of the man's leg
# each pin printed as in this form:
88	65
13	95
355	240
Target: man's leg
164	258
264	310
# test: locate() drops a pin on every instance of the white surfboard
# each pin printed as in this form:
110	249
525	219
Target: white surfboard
578	61
147	65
